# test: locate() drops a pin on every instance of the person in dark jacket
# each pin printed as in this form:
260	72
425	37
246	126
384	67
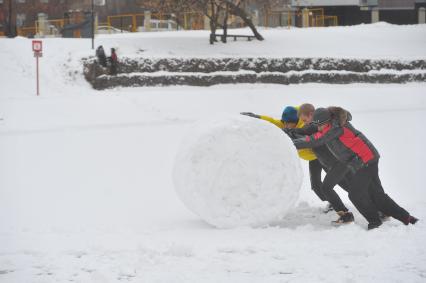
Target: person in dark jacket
305	113
100	54
358	155
325	161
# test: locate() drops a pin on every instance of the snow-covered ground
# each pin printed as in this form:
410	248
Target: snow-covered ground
86	191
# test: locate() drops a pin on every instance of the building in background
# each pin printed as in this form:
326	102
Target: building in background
21	16
400	11
353	12
16	15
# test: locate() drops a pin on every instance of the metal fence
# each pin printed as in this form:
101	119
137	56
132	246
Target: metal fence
188	21
289	18
49	27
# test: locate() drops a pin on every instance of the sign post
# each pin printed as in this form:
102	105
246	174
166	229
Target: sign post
37	48
95	3
93	24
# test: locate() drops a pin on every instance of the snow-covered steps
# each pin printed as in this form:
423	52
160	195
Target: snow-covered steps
211	71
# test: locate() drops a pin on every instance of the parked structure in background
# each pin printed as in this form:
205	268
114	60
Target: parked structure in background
72	18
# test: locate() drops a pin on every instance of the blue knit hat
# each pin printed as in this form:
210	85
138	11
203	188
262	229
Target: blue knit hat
290	115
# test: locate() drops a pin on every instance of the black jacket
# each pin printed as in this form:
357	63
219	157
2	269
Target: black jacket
346	143
324	155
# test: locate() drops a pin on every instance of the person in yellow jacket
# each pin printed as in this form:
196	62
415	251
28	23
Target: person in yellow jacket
290	120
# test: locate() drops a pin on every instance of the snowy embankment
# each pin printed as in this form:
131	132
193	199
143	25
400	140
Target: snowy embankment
211	71
86	191
279	60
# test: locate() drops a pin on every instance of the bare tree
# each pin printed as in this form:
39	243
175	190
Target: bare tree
236	10
225	23
212	9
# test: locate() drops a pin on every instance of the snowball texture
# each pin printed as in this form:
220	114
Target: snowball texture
237	171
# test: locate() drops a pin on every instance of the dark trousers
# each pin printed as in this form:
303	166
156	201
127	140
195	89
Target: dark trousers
325	189
383	202
367	194
359	194
336	175
315	169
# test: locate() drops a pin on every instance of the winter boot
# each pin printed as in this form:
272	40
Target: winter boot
411	220
373	225
345	217
328	208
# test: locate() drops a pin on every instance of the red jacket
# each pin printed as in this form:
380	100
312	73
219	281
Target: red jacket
114	57
346	143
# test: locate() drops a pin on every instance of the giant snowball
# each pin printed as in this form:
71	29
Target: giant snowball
237	171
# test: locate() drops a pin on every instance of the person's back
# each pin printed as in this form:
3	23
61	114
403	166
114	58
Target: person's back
100	53
345	142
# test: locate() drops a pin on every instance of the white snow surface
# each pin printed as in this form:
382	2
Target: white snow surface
86	190
237	171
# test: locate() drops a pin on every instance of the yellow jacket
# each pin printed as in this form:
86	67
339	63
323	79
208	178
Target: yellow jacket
306	153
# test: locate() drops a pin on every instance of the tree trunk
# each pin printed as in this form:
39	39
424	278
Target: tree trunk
212	23
236	10
10	26
225	24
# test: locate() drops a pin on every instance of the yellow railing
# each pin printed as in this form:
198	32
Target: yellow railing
125	21
315	14
131	22
26	31
314	18
193	20
327	21
49	27
139	21
278	18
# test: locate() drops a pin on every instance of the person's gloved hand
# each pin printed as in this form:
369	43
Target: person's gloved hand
250	114
290	132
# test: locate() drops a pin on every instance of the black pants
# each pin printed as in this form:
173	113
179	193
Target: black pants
325	189
315	169
383	202
367	194
336	175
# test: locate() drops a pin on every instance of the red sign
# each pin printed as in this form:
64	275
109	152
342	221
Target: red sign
37	46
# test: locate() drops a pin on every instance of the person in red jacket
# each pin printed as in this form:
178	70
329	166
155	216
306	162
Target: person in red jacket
113	62
357	154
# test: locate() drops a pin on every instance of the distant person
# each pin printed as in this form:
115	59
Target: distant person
100	54
113	62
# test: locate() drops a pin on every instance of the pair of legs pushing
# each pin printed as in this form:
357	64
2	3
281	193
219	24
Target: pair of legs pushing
368	196
365	192
325	189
